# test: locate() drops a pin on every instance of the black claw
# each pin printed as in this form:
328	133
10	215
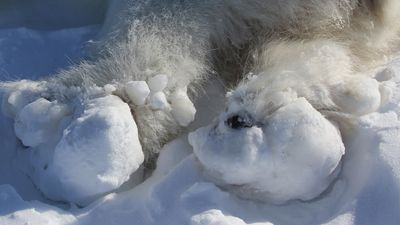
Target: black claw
238	122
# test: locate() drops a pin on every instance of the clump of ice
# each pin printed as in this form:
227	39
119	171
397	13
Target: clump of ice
78	156
38	121
151	94
137	92
158	101
158	83
293	154
183	109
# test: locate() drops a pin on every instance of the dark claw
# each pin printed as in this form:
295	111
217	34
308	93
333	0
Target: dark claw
238	122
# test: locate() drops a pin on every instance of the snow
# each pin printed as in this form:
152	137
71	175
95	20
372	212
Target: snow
278	161
85	151
51	14
137	92
41	53
15	211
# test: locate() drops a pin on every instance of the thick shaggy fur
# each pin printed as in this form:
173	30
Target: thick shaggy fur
189	40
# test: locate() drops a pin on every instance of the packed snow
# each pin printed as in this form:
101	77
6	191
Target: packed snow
31	54
79	163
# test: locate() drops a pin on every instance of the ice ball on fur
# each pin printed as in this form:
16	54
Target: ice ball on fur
137	92
183	108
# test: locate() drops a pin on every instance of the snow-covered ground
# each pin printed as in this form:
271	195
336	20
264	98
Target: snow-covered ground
49	152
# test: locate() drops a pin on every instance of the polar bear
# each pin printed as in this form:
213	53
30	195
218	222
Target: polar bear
154	55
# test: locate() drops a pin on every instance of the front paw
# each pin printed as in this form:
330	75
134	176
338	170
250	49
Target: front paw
80	149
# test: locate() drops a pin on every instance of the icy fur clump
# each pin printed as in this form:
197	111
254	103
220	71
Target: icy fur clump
293	154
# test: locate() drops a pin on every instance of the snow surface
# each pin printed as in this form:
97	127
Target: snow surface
180	191
31	54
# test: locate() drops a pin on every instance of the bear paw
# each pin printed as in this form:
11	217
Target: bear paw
78	150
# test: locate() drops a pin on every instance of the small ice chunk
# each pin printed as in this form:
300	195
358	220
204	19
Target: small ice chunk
38	121
158	83
96	154
109	88
158	101
137	92
183	109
